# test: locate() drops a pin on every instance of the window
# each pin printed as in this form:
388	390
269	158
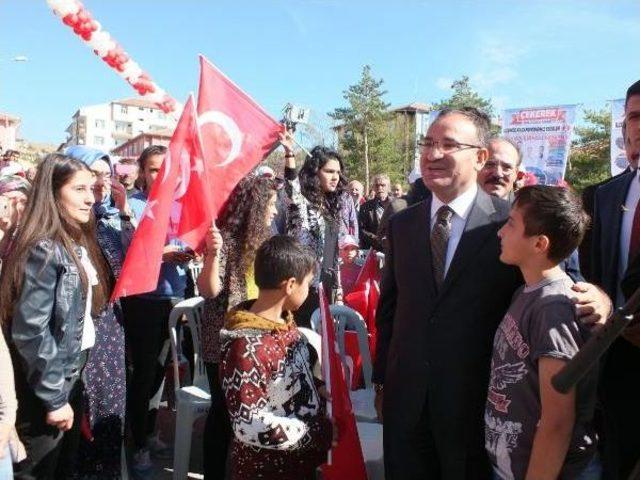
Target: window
124	109
100	123
122	126
141	109
98	140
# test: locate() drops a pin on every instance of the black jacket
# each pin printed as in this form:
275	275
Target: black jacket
434	347
368	224
47	323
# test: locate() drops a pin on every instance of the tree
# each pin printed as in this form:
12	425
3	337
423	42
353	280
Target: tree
464	96
589	160
366	135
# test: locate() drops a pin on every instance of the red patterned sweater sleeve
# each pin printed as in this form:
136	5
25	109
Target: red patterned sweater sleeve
251	370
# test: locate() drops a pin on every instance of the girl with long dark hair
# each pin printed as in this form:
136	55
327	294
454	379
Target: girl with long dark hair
55	282
227	280
317	214
104	376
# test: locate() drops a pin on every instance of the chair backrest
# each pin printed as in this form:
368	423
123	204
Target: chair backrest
195	268
192	309
315	342
346	318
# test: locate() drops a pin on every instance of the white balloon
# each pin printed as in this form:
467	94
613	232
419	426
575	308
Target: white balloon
101	42
64	7
131	71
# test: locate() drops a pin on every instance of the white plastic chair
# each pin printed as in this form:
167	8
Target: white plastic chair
195	268
346	318
194	400
315	342
370	435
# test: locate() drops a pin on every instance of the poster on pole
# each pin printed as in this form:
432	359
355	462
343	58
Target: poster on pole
423	121
543	136
618	154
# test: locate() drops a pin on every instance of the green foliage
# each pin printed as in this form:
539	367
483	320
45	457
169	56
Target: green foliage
589	160
464	96
368	140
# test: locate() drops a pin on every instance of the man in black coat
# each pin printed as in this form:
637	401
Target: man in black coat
588	202
615	265
444	291
371	212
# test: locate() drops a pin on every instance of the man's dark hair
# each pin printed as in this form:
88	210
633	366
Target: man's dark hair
280	258
555	212
148	152
480	119
632	90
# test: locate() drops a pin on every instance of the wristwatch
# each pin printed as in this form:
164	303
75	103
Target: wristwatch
378	387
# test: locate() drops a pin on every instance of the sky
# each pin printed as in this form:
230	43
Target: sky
518	53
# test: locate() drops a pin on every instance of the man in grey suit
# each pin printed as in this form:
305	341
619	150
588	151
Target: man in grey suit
443	294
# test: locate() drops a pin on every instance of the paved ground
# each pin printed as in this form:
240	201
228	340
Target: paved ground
166	427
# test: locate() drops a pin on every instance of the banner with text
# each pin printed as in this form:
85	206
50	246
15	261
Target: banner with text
543	136
618	154
423	120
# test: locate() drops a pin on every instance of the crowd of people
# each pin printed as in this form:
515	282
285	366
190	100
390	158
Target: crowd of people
487	292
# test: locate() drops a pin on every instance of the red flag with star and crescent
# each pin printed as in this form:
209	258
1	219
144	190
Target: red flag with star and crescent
345	460
179	206
237	133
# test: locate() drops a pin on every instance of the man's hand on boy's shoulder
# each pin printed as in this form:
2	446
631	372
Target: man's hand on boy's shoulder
593	306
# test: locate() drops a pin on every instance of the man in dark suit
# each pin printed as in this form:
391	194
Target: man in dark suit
443	294
371	212
615	266
588	200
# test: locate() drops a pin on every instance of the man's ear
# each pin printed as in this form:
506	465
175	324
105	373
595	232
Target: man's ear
482	157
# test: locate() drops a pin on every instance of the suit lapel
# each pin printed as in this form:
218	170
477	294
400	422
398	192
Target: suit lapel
473	237
614	225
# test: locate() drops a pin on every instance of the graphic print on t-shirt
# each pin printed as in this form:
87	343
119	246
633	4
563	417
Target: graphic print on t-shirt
510	347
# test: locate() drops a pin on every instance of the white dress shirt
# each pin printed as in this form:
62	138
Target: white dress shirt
629	211
461	207
88	329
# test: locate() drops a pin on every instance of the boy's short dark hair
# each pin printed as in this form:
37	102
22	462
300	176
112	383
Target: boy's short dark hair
555	212
280	258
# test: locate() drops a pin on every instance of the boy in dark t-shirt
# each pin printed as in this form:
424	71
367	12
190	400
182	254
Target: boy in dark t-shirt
532	431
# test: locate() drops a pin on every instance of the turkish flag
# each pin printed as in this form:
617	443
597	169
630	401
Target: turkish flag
236	132
178	207
365	294
345	460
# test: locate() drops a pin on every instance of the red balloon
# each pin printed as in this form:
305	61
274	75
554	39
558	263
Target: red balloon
86	36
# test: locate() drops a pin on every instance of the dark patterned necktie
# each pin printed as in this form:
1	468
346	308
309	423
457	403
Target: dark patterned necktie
439	241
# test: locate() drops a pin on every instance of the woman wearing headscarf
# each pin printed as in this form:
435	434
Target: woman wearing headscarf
14	191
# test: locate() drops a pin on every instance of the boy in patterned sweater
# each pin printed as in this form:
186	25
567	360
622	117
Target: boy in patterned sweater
277	415
532	431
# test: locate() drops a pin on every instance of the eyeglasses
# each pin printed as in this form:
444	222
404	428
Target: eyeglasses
446	146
